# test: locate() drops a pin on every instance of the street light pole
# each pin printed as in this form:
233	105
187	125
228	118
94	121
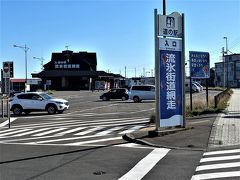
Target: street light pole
25	48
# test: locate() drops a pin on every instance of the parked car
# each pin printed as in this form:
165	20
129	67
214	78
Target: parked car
138	93
36	101
199	85
195	88
118	93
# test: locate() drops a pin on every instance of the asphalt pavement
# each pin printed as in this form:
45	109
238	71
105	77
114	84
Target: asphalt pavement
201	133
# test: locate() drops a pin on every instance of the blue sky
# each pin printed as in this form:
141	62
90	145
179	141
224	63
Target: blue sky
119	31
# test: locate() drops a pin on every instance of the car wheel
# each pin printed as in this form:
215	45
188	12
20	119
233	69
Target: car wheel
124	98
51	109
136	99
104	98
17	110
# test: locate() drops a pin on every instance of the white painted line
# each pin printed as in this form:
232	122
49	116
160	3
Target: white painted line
89	131
63	139
30	132
216	175
49	132
77	122
218	166
108	131
7	121
222	152
14	132
71	131
93	141
222	158
133	145
27	139
7	130
145	165
131	130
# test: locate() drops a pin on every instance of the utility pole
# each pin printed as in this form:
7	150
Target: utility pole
125	71
224	73
226	53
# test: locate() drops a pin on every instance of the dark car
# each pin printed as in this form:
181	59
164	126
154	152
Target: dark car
119	93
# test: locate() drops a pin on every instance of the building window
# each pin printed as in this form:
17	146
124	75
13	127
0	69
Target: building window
77	66
69	66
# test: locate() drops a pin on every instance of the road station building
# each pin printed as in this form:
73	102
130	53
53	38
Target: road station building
70	70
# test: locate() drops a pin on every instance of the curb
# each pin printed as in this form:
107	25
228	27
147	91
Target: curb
130	138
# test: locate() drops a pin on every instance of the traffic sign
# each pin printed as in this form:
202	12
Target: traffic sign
199	64
6	70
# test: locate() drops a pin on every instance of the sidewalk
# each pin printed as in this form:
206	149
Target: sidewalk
226	129
202	132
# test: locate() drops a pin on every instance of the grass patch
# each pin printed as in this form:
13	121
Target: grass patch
200	107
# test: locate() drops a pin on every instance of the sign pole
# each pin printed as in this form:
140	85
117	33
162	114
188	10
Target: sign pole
207	91
157	92
183	72
191	104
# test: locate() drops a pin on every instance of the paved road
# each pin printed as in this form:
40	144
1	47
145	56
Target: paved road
85	143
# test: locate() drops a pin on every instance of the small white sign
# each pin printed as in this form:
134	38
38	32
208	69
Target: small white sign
170	44
48	82
170	25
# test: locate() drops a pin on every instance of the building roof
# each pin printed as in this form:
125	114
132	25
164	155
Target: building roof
72	73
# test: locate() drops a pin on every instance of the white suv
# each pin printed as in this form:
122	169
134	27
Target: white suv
36	101
138	93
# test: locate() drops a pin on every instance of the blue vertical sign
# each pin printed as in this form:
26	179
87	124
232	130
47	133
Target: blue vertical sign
171	102
199	64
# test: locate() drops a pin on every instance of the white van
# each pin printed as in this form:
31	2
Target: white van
138	93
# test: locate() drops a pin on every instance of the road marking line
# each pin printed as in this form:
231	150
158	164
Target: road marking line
131	129
14	132
107	121
133	145
108	131
71	131
7	130
93	141
218	166
221	152
89	131
7	121
27	139
216	175
145	165
30	132
49	132
222	158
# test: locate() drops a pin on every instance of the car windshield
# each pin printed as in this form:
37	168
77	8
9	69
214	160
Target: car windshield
46	96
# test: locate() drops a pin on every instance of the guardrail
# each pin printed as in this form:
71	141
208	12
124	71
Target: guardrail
218	97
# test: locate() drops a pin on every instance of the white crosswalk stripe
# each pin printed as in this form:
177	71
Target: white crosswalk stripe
71	132
49	132
219	164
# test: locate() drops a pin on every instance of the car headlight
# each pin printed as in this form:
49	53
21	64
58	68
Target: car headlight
60	102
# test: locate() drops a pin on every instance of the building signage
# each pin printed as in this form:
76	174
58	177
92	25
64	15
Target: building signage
170	25
171	106
170	44
199	64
